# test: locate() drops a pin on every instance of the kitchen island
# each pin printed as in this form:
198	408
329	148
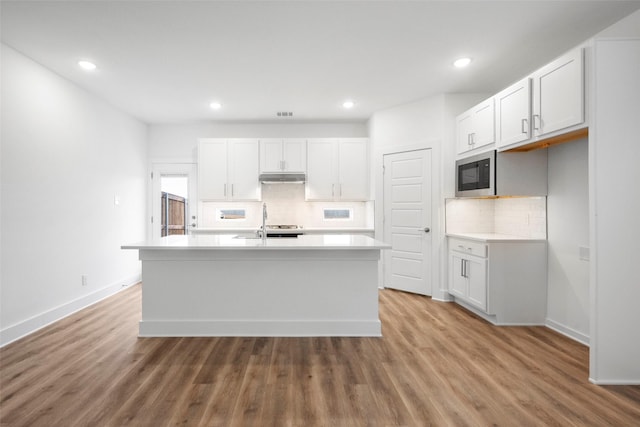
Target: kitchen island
229	285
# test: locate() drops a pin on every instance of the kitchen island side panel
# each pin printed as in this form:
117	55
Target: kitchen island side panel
249	293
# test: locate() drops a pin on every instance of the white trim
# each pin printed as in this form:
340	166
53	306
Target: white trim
260	328
567	332
614	382
26	327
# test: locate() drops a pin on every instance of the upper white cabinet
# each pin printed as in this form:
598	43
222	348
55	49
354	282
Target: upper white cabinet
558	94
475	127
337	169
228	169
283	155
513	114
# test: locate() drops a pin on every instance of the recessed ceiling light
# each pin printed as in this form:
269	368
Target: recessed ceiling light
215	105
348	104
86	65
461	62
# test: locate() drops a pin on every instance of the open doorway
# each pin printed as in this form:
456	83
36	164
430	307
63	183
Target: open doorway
173	196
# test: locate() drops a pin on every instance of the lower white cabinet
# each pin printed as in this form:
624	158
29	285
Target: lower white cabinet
505	282
469	278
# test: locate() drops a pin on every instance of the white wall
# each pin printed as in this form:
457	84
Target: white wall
568	230
65	155
180	142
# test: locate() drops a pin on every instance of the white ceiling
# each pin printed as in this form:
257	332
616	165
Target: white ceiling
165	61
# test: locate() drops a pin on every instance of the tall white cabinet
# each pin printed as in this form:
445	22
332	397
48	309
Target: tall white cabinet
615	208
228	169
337	169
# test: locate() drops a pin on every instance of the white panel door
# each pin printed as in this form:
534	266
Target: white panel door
407	221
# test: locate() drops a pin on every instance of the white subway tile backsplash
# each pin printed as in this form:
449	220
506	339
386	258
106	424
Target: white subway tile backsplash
286	205
523	217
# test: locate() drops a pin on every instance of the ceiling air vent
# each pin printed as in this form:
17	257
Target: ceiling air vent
284	114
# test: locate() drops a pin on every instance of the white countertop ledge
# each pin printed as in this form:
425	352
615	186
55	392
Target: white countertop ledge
230	242
494	237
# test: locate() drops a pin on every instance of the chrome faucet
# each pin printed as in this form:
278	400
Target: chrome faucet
264	220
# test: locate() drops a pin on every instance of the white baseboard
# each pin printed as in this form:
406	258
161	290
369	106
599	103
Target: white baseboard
29	326
614	382
568	332
260	328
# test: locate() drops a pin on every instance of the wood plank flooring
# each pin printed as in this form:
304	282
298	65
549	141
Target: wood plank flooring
437	365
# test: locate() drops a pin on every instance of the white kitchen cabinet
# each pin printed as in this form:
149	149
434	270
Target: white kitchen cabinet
513	114
558	94
468	272
504	281
283	155
337	169
228	169
475	128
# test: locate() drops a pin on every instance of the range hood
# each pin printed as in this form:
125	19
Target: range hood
282	178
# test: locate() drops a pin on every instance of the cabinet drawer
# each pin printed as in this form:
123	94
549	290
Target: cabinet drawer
468	247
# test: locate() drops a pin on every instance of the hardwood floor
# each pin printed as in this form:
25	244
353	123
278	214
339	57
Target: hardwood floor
436	365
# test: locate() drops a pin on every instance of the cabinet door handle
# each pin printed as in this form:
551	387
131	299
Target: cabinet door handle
525	126
462	268
231	190
340	189
470	139
333	190
536	121
225	190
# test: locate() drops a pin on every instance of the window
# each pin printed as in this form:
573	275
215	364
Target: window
231	214
334	214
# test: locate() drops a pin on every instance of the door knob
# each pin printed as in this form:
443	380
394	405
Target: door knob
427	229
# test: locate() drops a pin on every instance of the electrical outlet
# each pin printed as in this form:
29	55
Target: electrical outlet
84	280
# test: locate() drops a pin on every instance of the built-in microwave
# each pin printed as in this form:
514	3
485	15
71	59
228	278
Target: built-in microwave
476	175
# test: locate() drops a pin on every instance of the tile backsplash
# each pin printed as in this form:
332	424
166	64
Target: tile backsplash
517	216
286	205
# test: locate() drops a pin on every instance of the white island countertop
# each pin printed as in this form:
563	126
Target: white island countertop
235	242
